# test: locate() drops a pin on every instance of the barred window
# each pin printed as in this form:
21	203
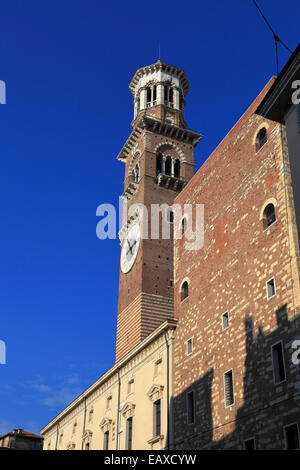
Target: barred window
228	388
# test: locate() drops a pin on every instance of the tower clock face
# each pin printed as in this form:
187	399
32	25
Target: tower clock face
130	248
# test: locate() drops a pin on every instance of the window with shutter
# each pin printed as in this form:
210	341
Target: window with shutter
190	408
157	418
129	434
278	363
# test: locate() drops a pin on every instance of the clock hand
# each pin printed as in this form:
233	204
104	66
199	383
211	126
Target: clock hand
130	248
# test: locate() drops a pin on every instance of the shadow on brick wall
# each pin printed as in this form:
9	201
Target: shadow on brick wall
267	407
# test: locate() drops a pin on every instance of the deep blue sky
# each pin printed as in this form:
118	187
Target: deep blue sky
67	65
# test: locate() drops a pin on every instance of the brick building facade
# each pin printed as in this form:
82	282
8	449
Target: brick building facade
217	322
228	282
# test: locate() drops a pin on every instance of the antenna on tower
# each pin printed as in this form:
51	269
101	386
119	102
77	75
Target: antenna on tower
159	51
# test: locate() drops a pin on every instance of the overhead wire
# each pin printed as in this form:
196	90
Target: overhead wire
276	37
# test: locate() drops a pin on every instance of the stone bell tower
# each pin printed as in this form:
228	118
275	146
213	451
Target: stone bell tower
159	161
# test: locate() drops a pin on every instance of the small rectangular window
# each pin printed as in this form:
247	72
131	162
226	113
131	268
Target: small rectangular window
228	388
249	444
106	441
189	346
271	290
278	362
190	407
225	320
129	434
292	437
157	418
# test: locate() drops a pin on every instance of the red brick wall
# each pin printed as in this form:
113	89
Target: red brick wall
229	274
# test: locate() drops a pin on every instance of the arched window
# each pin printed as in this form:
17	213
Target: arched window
183	226
148	96
170	215
168	166
154	95
181	101
177	169
261	138
158	164
269	216
166	94
184	290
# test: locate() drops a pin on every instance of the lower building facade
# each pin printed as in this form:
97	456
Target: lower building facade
127	408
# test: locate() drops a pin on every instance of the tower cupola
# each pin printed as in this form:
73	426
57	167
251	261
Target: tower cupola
159	91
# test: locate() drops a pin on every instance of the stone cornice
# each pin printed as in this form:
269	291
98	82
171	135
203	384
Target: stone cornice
150	124
155	68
